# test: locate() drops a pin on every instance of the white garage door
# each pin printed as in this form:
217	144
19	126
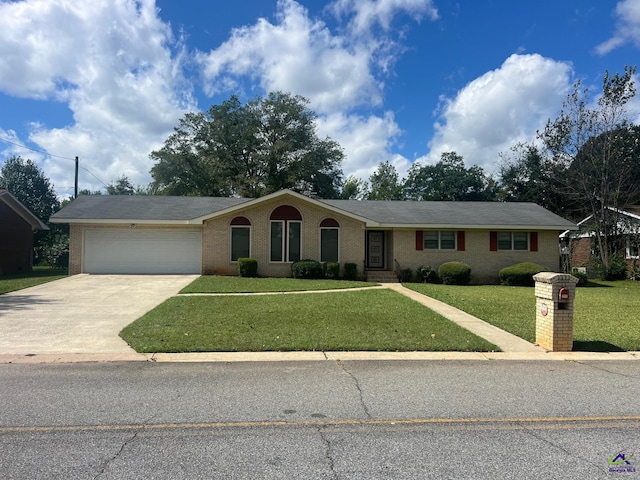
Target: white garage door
142	251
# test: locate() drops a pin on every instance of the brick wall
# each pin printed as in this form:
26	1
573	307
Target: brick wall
484	263
216	238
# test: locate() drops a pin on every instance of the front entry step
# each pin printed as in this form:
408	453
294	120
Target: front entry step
382	276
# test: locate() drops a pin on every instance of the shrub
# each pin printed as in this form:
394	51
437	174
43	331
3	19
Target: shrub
428	274
406	275
248	267
582	277
617	269
309	269
350	271
520	274
454	273
331	270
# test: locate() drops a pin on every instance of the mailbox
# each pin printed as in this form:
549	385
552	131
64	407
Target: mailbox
563	295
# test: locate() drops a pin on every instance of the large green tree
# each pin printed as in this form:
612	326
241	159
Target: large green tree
28	183
449	179
249	150
385	183
592	151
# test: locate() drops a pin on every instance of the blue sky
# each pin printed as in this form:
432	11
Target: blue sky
391	80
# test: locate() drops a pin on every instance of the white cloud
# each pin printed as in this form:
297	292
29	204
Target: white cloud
112	63
499	109
370	13
338	73
627	27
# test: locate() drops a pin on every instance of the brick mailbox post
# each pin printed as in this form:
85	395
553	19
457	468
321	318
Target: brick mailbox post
555	293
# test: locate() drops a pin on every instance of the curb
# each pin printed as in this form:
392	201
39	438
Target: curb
237	357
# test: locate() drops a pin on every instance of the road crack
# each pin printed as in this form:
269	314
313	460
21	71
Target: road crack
328	455
357	384
106	464
586	364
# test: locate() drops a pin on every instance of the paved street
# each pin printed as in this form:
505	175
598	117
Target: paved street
327	419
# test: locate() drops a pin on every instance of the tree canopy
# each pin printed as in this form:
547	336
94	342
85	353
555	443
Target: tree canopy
249	150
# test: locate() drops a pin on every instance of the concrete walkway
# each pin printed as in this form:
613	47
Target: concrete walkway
506	341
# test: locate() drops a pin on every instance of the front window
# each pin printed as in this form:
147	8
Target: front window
513	241
445	240
329	244
240	238
286	240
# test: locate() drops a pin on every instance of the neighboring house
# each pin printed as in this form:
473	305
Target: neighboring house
581	245
17	226
156	234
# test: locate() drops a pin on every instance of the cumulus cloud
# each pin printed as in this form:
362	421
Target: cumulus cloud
117	67
499	109
627	15
341	74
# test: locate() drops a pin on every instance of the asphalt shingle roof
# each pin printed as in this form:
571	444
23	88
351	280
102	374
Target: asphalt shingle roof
396	213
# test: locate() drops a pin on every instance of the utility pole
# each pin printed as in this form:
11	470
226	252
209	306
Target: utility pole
75	195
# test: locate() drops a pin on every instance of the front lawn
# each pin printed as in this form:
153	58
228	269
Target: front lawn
221	284
366	320
18	281
606	314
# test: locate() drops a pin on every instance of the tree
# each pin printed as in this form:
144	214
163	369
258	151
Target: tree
385	183
249	150
524	176
448	179
33	189
592	151
354	188
122	186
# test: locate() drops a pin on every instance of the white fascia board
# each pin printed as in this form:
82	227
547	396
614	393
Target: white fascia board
280	193
119	221
435	226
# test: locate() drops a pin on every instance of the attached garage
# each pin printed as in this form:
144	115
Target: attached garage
140	251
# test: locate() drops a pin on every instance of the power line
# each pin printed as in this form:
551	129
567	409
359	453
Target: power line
42	152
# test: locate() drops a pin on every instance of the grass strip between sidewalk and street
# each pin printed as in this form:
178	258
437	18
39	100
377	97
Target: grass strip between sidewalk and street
606	314
366	320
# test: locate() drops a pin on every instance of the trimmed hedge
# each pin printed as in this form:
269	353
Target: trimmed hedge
310	269
350	271
331	270
455	273
248	267
521	274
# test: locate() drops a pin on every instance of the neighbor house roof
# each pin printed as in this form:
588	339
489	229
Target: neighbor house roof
20	209
630	211
380	214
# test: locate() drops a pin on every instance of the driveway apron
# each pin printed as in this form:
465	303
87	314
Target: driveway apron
82	313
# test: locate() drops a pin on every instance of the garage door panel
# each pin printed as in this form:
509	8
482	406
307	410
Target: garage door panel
142	251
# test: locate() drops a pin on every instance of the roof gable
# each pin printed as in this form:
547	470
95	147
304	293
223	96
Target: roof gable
26	214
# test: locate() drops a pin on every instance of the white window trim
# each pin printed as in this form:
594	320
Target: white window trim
513	249
320	242
439	232
285	247
231	240
627	251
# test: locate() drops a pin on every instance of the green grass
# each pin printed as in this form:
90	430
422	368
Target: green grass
373	320
606	314
18	281
221	284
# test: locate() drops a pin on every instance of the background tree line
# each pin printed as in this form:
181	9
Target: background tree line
584	161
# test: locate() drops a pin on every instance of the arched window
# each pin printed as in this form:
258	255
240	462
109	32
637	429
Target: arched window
329	240
286	234
240	238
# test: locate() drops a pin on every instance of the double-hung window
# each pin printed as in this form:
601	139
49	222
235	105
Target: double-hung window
435	240
513	241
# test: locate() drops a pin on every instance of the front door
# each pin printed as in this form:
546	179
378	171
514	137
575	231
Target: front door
375	249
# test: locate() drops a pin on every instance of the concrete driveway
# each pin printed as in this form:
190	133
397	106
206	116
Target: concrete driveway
82	313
